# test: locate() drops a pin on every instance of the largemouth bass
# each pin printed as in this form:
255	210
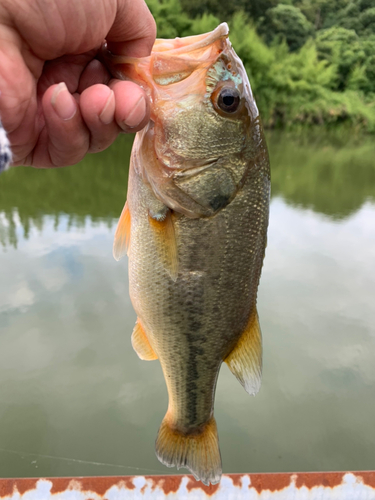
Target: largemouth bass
194	227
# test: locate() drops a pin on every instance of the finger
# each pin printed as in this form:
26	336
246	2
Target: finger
97	105
132	105
94	73
18	103
68	69
65	138
133	31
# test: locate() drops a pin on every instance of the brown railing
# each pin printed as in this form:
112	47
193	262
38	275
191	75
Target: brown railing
298	486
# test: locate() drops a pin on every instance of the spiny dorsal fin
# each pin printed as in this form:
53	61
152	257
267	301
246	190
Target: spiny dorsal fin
245	361
141	344
199	452
165	233
122	235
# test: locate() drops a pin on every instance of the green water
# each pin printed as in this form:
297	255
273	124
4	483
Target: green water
74	397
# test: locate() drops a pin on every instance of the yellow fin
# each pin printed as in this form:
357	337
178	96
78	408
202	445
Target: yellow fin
199	452
141	344
122	235
164	231
245	360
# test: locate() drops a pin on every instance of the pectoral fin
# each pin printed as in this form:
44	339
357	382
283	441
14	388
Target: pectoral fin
166	238
141	344
122	235
245	361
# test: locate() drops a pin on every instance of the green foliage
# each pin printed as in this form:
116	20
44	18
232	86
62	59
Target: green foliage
321	13
363	77
296	88
223	10
358	15
351	55
171	20
285	22
256	9
340	47
203	24
367	18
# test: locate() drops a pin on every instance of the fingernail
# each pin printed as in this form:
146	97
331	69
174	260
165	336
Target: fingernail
63	102
137	114
108	113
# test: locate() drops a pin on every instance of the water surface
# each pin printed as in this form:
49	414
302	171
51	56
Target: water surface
75	398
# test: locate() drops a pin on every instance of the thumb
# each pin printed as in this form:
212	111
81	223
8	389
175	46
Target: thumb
133	31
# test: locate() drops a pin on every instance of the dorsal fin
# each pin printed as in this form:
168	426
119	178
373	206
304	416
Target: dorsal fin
122	235
245	360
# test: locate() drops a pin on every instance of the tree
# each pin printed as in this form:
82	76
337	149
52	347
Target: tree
321	13
220	9
286	22
366	4
343	48
367	19
257	8
171	21
226	9
358	15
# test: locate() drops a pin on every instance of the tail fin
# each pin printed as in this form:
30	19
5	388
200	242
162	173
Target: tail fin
197	452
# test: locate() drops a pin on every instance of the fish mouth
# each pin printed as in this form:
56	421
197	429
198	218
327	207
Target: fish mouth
170	63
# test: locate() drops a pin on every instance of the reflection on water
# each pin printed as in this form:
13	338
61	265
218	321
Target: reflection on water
328	178
95	190
76	398
331	177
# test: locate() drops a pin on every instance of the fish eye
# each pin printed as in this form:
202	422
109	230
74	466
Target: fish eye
229	99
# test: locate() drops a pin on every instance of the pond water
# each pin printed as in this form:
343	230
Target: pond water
75	398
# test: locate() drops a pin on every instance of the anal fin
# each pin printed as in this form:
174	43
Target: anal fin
141	344
245	360
122	235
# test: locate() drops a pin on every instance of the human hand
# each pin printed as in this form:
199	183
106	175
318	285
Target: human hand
57	101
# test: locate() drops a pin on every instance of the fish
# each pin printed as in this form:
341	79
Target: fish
194	228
